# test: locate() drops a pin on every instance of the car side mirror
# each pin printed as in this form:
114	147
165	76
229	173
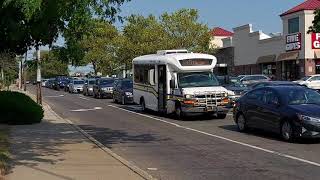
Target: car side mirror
172	84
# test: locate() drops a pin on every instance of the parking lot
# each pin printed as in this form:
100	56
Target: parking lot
199	148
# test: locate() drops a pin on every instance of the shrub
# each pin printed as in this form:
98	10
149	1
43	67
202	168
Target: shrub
17	108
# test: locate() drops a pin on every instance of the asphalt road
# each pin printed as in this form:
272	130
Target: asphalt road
200	148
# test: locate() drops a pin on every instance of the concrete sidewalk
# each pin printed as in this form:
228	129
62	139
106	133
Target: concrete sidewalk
55	150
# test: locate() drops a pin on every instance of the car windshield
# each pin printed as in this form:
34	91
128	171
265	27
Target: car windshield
197	79
302	96
78	82
127	84
92	82
305	78
106	81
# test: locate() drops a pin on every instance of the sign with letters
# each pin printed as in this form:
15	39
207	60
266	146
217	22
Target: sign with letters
315	39
293	42
196	62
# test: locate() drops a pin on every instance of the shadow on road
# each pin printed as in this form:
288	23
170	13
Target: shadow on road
269	135
110	137
137	109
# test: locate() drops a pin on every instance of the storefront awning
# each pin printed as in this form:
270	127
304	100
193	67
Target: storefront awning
266	59
288	56
317	54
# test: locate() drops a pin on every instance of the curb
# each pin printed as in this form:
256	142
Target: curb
131	166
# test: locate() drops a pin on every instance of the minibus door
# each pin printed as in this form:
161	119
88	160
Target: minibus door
162	86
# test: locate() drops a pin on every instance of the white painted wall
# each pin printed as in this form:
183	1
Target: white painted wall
250	45
216	41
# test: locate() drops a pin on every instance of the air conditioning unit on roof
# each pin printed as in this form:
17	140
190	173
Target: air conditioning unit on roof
174	51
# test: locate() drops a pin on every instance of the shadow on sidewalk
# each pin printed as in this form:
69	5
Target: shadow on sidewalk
31	145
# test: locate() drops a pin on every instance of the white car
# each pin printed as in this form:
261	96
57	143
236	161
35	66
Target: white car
312	82
250	79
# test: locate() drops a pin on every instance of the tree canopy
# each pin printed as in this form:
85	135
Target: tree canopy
25	23
316	22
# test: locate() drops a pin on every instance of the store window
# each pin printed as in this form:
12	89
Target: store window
293	25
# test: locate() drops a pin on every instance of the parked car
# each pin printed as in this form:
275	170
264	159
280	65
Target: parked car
76	86
250	79
103	88
43	82
49	83
292	111
237	87
312	82
272	83
88	87
60	82
68	82
123	91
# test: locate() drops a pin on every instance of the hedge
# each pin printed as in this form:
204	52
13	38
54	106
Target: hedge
18	109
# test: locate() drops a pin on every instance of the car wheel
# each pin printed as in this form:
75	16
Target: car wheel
115	100
221	116
143	105
241	123
123	100
287	131
179	113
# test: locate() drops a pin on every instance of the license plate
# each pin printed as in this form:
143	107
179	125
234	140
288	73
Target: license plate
210	108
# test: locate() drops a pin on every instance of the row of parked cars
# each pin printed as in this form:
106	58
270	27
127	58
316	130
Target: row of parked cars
120	90
291	109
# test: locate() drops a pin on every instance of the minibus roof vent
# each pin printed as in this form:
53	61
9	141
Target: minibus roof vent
175	51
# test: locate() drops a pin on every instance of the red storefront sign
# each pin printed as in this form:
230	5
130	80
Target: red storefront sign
315	38
293	42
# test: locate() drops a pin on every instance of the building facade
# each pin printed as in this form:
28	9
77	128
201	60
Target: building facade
284	56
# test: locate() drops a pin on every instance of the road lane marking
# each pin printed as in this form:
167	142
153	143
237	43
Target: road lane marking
85	110
224	138
55	96
84	98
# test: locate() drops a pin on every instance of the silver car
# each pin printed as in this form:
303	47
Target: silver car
76	86
88	87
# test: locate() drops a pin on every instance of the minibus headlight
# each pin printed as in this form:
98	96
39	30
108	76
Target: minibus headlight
189	96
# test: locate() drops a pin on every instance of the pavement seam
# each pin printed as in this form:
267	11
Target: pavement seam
131	166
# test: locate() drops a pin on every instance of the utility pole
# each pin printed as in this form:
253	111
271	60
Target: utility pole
25	73
39	93
20	74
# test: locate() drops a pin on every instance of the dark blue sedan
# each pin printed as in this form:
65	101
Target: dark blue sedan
291	111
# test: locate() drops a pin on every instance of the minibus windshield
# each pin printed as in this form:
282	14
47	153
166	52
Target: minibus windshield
197	79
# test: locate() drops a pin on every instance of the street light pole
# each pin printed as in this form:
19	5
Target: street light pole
25	73
39	93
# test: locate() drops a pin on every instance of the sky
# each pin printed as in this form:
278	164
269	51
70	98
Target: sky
263	14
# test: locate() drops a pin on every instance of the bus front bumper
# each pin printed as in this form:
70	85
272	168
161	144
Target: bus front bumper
205	109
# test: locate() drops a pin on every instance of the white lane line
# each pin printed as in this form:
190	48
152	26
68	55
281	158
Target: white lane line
85	110
54	96
84	98
224	138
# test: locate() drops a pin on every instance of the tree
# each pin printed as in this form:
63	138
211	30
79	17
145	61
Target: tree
97	45
185	32
8	68
315	23
145	35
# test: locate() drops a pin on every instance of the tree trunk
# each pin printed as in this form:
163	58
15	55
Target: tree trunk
94	68
39	94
